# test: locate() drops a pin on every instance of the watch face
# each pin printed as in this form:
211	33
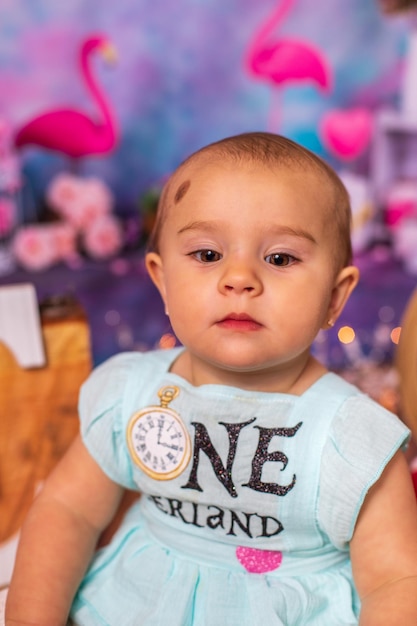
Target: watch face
159	442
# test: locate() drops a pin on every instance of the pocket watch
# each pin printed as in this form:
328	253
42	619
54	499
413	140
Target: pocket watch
157	438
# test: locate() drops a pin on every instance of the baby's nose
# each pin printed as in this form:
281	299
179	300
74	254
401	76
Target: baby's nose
240	278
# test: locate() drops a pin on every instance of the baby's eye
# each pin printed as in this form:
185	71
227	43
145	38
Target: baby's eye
279	259
207	256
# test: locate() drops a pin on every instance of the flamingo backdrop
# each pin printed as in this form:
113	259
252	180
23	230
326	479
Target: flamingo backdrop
69	131
190	72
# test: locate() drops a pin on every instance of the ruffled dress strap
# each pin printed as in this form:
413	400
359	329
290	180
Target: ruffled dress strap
107	400
363	438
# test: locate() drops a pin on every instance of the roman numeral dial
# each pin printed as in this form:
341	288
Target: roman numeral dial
158	440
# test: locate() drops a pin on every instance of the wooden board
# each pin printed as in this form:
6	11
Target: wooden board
38	409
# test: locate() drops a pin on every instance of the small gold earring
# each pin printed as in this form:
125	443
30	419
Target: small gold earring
330	323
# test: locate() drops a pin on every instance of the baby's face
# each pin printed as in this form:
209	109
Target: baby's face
246	265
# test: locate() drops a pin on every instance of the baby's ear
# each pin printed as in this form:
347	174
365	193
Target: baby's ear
155	269
344	284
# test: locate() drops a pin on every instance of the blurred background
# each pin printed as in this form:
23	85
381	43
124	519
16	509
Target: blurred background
99	102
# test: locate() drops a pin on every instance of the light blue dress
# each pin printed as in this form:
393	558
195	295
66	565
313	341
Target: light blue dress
255	529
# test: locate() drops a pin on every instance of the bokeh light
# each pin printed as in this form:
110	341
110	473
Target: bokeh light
346	334
386	314
112	318
395	334
167	341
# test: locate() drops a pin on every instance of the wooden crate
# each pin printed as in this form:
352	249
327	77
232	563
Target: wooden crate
38	408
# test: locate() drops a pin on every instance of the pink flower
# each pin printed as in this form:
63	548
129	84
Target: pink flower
38	247
64	240
62	192
103	238
7	215
34	248
79	200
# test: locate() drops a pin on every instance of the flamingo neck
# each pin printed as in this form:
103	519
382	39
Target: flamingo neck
94	89
269	26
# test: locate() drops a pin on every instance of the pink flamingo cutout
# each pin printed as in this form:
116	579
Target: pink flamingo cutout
286	60
70	131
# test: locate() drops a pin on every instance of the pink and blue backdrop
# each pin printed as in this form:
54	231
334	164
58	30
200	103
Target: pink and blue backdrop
190	72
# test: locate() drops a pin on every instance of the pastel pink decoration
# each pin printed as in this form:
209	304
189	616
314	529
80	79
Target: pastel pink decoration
7	215
70	131
401	203
80	201
62	192
286	60
38	247
399	211
10	178
65	241
346	133
258	561
103	238
34	248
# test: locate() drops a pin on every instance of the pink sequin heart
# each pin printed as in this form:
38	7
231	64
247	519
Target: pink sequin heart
258	561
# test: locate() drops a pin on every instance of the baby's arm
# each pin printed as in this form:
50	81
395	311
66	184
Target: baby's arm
384	550
58	539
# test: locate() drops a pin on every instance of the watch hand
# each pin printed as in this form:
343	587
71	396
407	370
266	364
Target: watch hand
166	445
158	441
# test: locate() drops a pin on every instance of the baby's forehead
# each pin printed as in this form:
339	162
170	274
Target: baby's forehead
188	175
182	180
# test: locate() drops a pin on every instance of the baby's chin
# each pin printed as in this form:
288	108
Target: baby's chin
251	375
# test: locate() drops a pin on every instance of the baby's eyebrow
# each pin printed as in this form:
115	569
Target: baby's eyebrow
199	225
278	231
294	232
181	191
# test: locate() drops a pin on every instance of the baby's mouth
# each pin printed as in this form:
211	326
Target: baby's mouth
239	321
